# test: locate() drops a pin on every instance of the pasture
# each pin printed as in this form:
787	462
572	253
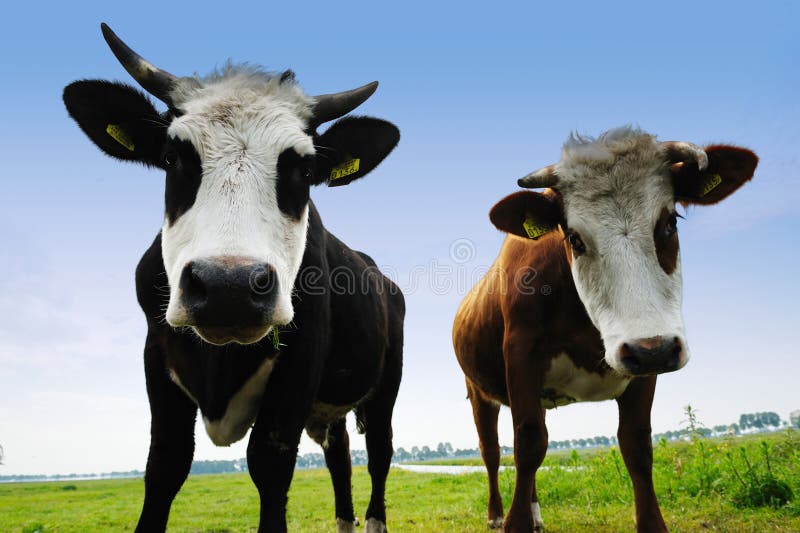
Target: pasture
747	484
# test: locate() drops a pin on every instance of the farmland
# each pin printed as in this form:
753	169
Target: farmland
735	484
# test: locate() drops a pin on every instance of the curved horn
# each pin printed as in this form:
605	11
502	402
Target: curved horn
332	106
152	79
679	153
544	177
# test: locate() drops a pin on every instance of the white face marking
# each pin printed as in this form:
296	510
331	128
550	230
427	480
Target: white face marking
572	384
242	408
239	124
614	189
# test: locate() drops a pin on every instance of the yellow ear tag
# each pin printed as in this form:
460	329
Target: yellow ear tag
533	229
119	135
711	183
345	169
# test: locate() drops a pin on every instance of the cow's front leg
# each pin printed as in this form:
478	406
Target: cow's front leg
634	436
271	456
272	449
172	417
524	377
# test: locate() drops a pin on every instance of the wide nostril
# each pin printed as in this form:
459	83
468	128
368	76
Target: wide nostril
262	283
630	359
192	285
674	353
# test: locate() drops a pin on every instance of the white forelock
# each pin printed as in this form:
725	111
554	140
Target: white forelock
580	147
241	83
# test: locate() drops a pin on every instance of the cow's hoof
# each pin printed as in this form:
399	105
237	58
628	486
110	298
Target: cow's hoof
375	526
495	523
346	526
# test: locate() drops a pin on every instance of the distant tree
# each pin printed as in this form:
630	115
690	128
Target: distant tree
744	421
794	418
401	455
1	455
772	419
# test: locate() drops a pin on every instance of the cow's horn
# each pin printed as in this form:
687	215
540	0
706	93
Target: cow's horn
679	153
152	79
332	106
544	177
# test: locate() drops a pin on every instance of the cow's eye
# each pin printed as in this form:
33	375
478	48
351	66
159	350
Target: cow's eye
170	158
671	226
576	243
307	171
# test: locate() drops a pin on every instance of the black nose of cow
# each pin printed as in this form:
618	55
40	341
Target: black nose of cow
228	292
651	356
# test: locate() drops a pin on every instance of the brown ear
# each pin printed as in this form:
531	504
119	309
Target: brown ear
729	167
527	214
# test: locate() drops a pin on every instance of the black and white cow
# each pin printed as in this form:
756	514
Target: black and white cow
243	319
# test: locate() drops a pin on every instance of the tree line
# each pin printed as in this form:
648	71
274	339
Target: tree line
748	423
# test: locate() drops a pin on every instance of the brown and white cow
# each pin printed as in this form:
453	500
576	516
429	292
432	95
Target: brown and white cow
583	302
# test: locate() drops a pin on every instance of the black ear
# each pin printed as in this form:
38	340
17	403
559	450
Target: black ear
120	120
527	214
352	147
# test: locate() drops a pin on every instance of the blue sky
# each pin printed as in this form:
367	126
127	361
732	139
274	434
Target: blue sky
482	95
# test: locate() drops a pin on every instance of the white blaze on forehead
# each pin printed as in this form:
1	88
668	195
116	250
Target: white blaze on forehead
614	189
239	122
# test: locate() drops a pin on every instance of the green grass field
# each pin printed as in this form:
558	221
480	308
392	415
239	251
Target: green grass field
742	485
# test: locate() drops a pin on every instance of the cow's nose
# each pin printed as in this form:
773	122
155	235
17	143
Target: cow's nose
651	356
222	292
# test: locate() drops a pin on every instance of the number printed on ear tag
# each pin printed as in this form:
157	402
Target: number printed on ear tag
711	183
345	169
533	229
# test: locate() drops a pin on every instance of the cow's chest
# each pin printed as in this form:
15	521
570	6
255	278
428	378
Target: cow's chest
241	409
567	383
